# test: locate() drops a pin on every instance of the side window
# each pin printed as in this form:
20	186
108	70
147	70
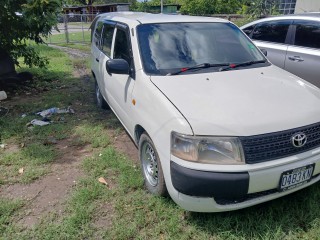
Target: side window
97	34
107	39
248	30
121	46
307	34
273	31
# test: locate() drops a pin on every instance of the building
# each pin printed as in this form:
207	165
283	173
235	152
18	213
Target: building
298	6
287	6
96	9
167	8
307	6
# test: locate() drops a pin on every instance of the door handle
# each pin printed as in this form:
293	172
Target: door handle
97	59
296	58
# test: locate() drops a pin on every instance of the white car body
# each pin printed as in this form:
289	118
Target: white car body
242	103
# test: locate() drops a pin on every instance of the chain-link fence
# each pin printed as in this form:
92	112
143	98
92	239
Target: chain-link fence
72	28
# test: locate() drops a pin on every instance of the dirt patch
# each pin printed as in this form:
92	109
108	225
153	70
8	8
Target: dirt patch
124	144
72	52
50	192
105	215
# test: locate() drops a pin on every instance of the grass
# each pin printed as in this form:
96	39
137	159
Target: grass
123	209
7	210
138	215
78	37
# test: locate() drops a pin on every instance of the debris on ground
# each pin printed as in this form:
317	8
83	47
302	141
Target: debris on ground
36	122
45	114
55	110
3	146
3	95
103	181
21	170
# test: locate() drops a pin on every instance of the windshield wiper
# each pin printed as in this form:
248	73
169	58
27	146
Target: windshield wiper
199	66
231	66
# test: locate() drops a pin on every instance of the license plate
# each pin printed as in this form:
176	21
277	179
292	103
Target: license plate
295	177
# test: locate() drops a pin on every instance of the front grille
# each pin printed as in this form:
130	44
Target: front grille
271	146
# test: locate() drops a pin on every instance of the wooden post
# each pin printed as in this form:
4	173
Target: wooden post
65	19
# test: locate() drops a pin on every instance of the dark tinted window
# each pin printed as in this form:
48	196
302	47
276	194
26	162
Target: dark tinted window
307	34
97	34
107	38
121	47
248	30
273	31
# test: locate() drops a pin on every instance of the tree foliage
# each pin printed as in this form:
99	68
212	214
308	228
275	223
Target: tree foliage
25	20
255	8
207	7
258	8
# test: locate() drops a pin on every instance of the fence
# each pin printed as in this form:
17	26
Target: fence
72	28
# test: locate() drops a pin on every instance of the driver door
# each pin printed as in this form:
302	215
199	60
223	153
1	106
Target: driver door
118	86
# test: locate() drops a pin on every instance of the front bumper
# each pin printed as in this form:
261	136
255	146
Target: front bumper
212	190
197	183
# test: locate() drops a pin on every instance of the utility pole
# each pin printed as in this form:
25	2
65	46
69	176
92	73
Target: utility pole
161	6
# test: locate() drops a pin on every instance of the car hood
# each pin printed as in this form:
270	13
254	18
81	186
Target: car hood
242	102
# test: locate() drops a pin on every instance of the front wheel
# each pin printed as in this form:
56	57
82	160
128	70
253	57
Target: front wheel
151	167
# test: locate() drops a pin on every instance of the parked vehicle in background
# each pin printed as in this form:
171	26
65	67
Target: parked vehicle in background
218	126
292	43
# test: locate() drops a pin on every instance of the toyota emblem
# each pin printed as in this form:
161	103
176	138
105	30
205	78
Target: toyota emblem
299	139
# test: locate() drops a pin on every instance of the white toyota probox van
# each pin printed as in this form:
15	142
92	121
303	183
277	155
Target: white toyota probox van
218	126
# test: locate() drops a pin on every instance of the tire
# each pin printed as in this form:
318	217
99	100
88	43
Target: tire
151	167
101	103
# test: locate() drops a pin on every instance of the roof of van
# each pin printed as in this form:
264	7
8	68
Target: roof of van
142	18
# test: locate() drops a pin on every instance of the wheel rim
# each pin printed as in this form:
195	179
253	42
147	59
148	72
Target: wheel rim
98	95
149	164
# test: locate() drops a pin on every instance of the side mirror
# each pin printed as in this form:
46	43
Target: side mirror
117	66
264	51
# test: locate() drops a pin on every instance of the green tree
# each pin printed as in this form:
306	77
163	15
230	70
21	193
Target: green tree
207	7
258	8
25	20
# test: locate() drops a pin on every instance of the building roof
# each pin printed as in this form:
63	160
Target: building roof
99	5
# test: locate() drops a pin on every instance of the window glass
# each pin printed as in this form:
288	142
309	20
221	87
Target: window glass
121	46
273	31
248	30
167	47
107	38
307	34
97	34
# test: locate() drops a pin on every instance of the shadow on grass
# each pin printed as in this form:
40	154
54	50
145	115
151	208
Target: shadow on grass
294	214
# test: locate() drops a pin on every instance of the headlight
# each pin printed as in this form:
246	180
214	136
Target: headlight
214	150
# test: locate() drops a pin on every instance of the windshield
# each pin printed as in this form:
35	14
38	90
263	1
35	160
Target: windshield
168	47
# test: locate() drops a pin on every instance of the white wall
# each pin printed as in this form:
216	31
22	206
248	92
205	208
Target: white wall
307	6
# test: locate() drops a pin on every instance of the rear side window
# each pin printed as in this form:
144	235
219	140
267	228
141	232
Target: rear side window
107	36
273	31
97	34
307	34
